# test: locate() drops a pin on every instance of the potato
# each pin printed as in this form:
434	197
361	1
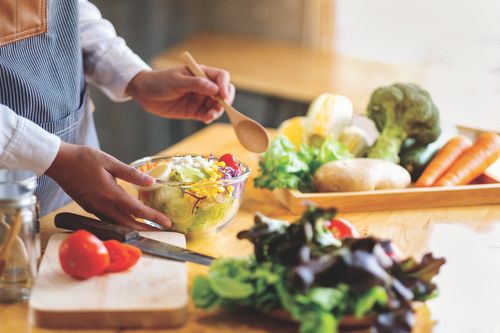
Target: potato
360	174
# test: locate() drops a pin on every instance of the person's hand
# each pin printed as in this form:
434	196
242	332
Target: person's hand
176	93
88	176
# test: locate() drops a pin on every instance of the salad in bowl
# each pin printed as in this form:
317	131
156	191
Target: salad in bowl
199	194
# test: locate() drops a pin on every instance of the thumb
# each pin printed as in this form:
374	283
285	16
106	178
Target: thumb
130	174
198	85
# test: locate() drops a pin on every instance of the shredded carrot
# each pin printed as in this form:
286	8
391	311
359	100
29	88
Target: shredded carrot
148	166
443	160
473	161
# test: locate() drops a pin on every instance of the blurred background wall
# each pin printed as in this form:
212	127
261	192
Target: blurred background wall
454	46
151	26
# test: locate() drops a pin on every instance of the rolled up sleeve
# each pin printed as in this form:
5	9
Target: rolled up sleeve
25	145
109	63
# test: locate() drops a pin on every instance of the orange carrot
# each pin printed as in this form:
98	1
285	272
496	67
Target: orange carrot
443	160
473	161
148	166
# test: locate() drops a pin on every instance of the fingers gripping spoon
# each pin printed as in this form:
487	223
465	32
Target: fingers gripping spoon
252	135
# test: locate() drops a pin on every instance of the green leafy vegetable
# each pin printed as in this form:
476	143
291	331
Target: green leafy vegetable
187	174
232	283
401	111
189	216
318	281
283	166
284	245
415	157
367	301
318	322
203	295
228	288
332	150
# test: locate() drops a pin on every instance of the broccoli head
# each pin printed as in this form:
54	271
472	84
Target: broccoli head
402	111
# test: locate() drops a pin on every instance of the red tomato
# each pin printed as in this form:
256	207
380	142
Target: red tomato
229	160
341	228
121	256
83	255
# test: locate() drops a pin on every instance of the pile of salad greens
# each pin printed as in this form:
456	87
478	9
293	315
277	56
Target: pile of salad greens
283	166
300	268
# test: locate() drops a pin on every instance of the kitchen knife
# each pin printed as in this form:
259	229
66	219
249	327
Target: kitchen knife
105	231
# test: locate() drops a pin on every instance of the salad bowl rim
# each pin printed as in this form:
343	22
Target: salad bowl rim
227	181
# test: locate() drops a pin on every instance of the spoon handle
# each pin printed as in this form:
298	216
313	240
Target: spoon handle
195	68
250	133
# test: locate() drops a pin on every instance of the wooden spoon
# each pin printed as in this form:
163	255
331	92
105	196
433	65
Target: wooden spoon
252	135
12	250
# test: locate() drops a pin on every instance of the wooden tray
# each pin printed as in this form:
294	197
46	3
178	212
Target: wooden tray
410	198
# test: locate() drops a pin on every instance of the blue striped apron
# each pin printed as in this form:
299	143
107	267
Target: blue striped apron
41	78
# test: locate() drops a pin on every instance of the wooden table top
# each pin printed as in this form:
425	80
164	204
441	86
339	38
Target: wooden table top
298	73
286	70
469	238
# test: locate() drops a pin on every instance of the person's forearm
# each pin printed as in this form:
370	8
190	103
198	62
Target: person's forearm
57	169
25	145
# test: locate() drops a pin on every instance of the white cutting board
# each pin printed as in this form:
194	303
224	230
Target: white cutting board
151	294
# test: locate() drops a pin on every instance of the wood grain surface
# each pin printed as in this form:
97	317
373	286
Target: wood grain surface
468	237
428	197
151	294
288	70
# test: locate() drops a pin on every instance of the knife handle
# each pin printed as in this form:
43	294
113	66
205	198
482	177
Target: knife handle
102	230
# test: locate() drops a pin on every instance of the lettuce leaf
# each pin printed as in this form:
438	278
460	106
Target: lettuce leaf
318	285
366	302
185	215
203	295
283	166
417	275
332	150
232	283
187	174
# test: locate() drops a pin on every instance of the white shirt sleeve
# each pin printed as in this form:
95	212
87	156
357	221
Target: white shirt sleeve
25	145
108	62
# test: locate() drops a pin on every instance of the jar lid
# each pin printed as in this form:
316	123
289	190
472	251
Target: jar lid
15	196
20	177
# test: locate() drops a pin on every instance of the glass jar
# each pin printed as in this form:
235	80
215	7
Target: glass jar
19	237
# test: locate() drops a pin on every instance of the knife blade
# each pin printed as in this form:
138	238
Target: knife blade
105	230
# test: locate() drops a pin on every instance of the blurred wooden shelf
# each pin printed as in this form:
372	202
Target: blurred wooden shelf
287	70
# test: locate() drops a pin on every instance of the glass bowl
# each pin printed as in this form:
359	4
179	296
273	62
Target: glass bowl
192	206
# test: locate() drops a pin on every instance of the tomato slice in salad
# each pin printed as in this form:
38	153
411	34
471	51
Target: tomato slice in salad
121	256
341	228
83	255
229	160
